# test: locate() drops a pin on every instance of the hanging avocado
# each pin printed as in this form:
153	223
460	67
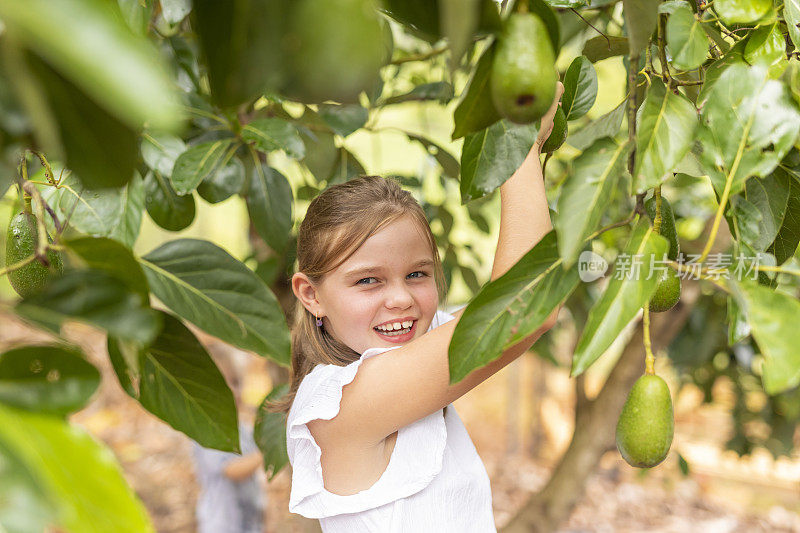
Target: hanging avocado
21	241
523	77
646	425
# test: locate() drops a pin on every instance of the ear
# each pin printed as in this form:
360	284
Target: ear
306	293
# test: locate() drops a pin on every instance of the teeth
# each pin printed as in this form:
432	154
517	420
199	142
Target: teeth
397	326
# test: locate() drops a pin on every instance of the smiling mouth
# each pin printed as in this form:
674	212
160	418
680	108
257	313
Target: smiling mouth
396	332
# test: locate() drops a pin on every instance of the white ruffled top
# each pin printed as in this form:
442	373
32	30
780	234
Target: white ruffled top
434	482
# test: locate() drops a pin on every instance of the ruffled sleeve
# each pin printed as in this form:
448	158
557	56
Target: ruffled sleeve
415	461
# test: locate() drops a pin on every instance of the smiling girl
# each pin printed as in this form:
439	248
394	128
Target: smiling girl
372	439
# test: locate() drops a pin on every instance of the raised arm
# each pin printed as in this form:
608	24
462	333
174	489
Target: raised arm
408	383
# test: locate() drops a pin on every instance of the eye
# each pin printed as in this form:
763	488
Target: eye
359	282
421	274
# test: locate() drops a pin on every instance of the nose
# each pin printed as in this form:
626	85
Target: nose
398	296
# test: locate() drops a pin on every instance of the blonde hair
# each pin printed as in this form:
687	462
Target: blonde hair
337	223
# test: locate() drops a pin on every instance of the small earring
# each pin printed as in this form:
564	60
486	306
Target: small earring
319	320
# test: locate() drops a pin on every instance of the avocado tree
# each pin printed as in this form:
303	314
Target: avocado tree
113	109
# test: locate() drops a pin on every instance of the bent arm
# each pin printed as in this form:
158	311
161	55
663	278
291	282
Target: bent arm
403	385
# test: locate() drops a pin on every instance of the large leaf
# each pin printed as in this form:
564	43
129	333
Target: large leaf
224	183
94	297
686	40
510	308
586	194
459	20
599	48
49	379
269	205
203	284
766	45
241	43
199	162
788	237
791	13
269	432
606	126
475	110
665	132
437	90
88	42
180	384
640	21
160	151
772	317
769	196
630	288
741	11
489	157
24	506
343	119
165	207
748	124
580	88
98	147
115	259
80	478
270	134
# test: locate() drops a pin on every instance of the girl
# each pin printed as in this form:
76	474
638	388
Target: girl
371	444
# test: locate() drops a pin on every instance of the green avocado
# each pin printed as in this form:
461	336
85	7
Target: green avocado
668	292
646	425
335	50
667	229
21	244
523	77
559	133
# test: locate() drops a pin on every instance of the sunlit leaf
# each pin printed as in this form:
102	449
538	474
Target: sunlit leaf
580	88
686	41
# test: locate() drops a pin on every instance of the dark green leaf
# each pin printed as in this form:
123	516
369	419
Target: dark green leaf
165	207
345	168
343	119
586	194
606	126
270	134
438	90
199	162
222	184
475	110
94	297
489	157
160	151
269	433
626	293
180	384
770	197
49	379
203	284
788	236
640	21
115	259
419	16
683	465
510	308
580	88
599	48
545	12
269	204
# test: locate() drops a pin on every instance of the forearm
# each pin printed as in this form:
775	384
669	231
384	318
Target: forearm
524	214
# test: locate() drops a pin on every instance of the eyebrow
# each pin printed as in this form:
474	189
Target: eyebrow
359	271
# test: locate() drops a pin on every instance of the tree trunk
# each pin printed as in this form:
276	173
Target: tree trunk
595	425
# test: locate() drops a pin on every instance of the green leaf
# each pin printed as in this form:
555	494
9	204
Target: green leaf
759	121
269	204
459	20
686	41
606	126
716	68
203	284
343	119
791	14
73	470
475	110
770	197
98	147
269	432
180	384
137	14
421	17
88	42
110	256
510	308
449	164
94	297
160	151
544	9
270	134
586	194
224	183
627	292
738	328
741	11
242	47
49	379
24	506
438	90
489	157
129	223
664	134
580	88
788	237
345	168
772	317
599	48
199	162
766	45
165	207
640	21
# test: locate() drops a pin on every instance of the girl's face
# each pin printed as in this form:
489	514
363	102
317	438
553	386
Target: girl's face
387	283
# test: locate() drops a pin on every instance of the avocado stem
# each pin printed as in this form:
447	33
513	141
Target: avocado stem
649	358
657	219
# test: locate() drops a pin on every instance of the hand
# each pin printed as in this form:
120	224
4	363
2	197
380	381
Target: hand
546	125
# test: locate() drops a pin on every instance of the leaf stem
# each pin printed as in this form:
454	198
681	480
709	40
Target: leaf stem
633	69
649	358
422	56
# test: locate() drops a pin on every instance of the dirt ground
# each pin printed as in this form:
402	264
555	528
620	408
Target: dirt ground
519	430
